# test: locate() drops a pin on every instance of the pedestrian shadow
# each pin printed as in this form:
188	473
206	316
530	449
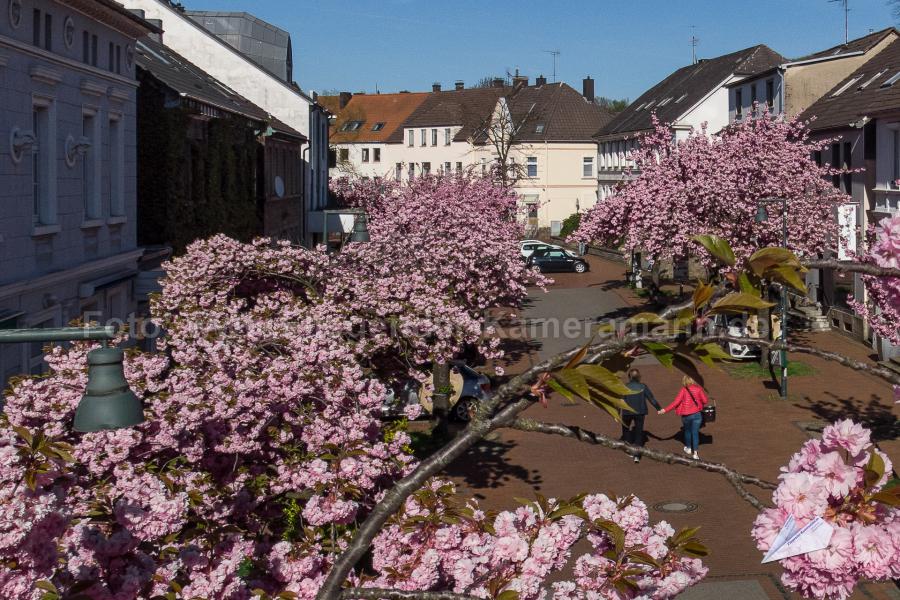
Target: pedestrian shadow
704	438
875	414
486	465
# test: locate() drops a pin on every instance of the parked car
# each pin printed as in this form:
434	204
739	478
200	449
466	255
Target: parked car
527	247
557	259
740	325
474	388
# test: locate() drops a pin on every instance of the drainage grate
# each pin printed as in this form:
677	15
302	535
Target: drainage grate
675	506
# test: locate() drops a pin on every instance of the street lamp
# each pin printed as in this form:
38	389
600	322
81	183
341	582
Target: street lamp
360	231
108	402
762	215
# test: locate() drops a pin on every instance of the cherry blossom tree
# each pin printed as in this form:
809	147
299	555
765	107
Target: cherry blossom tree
263	470
713	184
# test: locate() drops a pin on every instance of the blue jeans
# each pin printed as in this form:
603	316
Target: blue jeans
691	424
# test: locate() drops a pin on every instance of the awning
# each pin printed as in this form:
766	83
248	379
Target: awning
89	288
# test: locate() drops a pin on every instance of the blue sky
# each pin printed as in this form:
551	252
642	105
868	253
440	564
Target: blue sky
625	45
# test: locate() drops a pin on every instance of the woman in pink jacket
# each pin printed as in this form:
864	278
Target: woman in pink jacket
689	403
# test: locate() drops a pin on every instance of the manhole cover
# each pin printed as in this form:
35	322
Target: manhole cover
675	506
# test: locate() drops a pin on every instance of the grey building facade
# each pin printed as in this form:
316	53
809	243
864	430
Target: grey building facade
68	245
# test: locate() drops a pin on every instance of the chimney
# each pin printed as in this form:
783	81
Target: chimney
435	87
156	37
540	80
587	88
520	80
498	82
343	99
460	85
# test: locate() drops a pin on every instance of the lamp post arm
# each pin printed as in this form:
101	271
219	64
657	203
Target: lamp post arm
63	334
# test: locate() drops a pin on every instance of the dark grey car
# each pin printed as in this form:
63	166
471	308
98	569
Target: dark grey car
556	259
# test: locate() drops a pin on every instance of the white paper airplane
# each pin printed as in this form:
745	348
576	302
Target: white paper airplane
790	541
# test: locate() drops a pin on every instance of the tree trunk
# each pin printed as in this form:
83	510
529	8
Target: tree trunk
764	316
441	399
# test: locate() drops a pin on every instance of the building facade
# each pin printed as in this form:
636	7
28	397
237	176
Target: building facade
688	99
860	119
68	236
282	99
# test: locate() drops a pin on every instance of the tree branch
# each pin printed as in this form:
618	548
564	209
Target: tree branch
391	594
582	435
850	266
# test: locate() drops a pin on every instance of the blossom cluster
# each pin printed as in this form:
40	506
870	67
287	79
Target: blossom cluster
883	306
837	478
713	183
434	544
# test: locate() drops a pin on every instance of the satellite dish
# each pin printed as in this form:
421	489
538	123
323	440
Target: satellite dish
279	186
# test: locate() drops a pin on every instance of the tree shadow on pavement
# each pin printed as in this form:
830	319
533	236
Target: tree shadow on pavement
487	466
875	414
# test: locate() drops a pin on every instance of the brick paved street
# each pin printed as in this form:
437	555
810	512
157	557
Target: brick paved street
755	433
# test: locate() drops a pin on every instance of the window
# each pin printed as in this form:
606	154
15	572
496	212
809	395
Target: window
587	166
110	57
447	168
531	166
94	46
118	59
817	157
36	30
484	166
398	171
836	163
412	138
90	167
424	138
680	98
753	98
459	168
48	32
351	125
376	155
871	80
896	137
412	171
847	177
434	137
116	167
891	80
770	94
738	104
365	155
426	168
447	136
539	128
378	126
343	154
846	86
43	164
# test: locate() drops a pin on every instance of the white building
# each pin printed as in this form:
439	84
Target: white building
546	129
687	99
68	244
280	97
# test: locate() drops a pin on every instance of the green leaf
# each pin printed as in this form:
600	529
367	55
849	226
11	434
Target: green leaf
604	378
747	286
711	350
508	595
763	260
874	470
599	396
695	548
789	276
47	586
579	356
684	535
574	381
572	509
702	294
663	352
24	434
643	558
645	318
605	328
616	533
889	497
558	387
718	247
740	302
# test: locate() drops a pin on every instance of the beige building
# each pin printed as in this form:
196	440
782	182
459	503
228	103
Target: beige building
541	131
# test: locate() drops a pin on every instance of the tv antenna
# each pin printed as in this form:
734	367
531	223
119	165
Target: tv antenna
694	41
846	4
555	53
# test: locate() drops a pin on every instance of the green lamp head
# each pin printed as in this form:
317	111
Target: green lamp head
108	403
360	229
762	215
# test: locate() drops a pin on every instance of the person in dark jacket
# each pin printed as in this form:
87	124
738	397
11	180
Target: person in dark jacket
633	422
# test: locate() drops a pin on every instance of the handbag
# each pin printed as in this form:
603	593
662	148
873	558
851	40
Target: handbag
708	412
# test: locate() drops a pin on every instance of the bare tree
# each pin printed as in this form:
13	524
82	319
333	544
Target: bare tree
501	132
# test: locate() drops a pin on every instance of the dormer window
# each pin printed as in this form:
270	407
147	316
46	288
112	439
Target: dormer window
378	126
872	79
352	125
892	80
539	128
847	85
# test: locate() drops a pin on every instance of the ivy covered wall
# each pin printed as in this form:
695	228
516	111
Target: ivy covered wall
196	177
